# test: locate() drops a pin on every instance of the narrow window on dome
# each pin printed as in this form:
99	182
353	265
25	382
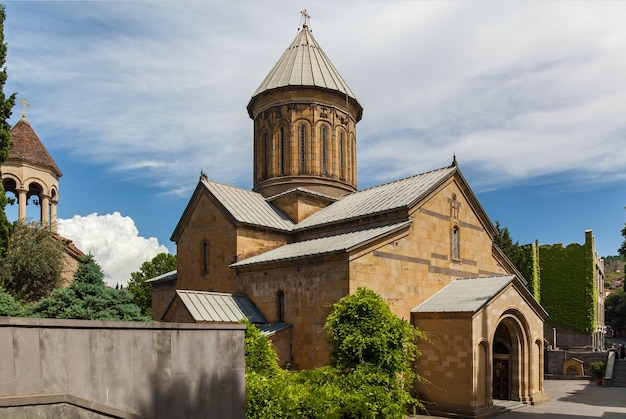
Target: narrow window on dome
266	155
302	148
341	156
281	150
455	243
324	155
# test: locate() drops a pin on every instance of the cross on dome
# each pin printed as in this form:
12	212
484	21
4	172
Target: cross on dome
305	18
24	105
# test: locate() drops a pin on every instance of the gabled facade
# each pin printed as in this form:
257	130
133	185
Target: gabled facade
305	238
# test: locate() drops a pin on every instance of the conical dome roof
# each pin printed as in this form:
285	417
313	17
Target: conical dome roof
27	147
304	64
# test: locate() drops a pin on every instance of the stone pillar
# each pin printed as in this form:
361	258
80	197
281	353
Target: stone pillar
21	205
53	216
44	201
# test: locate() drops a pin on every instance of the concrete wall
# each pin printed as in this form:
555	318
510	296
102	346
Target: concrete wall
121	369
554	360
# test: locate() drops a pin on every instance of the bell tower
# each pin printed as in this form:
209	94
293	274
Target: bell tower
305	118
30	173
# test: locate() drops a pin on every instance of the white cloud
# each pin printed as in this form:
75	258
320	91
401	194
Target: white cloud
114	242
158	91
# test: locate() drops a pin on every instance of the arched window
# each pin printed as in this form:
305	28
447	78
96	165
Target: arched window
266	155
341	156
280	306
302	148
324	151
205	257
455	243
281	150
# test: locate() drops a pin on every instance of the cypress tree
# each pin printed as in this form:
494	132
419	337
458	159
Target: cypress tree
6	107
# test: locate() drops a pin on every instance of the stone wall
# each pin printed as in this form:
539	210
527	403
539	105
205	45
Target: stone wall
554	360
120	369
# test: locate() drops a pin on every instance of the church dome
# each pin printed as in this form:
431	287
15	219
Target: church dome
305	118
304	64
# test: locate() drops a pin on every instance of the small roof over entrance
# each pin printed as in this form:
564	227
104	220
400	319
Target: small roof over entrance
470	295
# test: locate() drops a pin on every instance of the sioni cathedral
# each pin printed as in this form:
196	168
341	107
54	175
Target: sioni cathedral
305	236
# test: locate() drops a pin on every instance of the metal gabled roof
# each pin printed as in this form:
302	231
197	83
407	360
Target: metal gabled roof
166	277
465	295
324	245
207	306
401	193
248	207
304	64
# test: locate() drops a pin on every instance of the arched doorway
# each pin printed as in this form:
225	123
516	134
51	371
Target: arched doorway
501	381
511	350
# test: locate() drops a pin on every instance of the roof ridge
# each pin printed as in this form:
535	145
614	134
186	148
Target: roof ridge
401	179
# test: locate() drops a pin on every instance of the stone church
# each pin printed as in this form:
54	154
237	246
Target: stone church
306	236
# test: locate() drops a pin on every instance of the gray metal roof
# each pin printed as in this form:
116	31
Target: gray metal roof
325	245
219	307
304	64
166	277
248	207
399	194
271	329
465	295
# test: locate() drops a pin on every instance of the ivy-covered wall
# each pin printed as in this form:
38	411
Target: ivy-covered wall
529	267
567	287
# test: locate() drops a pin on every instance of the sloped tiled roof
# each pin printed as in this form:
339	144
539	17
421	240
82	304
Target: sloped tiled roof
28	147
324	245
248	207
402	193
465	295
219	307
304	64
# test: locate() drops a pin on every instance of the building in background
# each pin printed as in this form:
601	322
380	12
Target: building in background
30	174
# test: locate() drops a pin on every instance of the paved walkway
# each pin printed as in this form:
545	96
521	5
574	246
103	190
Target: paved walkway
572	399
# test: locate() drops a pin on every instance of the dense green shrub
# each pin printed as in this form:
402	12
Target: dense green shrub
9	306
370	375
88	298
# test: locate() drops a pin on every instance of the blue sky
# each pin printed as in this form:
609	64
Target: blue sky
133	99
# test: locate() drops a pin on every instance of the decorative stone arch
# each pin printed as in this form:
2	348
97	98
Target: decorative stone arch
342	143
303	146
324	134
512	354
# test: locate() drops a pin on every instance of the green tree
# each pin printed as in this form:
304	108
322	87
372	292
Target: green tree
615	311
6	106
88	298
9	306
622	249
33	264
142	292
375	349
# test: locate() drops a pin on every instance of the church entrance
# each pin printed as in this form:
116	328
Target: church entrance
501	380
